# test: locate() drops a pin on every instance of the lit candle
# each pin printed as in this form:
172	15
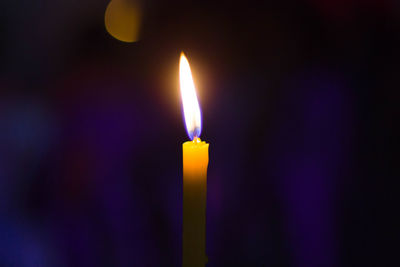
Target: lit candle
195	162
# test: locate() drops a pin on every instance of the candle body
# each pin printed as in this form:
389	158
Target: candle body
195	163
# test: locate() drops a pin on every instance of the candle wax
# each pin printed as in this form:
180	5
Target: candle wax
195	163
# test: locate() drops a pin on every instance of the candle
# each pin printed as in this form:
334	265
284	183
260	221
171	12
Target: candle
195	162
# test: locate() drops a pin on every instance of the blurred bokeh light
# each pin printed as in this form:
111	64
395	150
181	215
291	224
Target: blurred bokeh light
123	19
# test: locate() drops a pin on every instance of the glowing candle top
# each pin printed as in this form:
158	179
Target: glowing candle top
191	107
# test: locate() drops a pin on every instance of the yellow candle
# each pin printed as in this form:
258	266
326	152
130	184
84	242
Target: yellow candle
195	162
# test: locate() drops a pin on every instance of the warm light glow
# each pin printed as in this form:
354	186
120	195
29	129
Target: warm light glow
123	20
191	108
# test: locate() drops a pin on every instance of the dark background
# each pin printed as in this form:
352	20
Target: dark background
299	100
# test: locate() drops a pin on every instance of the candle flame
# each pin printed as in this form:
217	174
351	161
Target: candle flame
191	107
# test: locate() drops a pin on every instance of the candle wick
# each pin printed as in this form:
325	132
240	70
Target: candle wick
196	140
